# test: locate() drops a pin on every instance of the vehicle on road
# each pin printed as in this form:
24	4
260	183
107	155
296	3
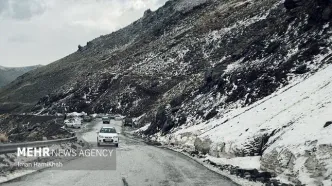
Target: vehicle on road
73	123
108	136
106	120
128	122
87	118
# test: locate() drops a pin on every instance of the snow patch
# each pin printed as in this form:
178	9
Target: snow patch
250	162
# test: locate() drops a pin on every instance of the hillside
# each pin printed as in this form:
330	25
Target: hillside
8	74
287	133
205	63
181	50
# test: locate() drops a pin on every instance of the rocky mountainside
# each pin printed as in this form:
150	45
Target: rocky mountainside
188	63
21	128
239	51
8	75
287	134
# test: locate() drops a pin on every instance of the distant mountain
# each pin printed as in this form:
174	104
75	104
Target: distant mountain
9	74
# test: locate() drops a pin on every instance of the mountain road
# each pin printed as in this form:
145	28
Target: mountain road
137	164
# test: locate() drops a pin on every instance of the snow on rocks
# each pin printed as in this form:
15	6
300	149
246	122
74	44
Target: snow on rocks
249	162
188	5
76	114
283	134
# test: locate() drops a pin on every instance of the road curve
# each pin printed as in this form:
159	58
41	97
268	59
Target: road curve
137	164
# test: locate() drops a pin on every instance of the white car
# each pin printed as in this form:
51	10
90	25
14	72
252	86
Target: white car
108	136
73	123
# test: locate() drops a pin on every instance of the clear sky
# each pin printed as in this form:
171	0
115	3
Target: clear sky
41	31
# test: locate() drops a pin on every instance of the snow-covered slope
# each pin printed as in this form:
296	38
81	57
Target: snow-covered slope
289	126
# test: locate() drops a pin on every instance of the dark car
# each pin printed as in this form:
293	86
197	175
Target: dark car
106	120
87	118
128	122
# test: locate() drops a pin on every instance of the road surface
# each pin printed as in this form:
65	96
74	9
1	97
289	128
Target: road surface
137	164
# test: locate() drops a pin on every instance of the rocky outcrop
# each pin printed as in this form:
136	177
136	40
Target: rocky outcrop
163	121
291	4
21	128
3	138
313	162
328	124
321	9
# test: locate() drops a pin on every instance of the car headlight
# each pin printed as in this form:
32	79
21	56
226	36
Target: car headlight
101	136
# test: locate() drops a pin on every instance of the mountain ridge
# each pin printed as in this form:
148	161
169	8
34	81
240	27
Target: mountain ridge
9	74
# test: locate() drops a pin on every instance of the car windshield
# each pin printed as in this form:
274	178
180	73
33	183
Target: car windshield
107	130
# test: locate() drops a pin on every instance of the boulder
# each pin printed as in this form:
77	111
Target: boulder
291	4
245	172
147	12
202	145
263	176
216	149
194	153
211	114
34	136
277	161
301	69
328	124
162	121
80	48
3	138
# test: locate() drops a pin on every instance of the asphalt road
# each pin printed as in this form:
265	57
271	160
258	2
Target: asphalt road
137	164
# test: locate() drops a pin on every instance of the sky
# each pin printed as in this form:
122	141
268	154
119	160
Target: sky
36	32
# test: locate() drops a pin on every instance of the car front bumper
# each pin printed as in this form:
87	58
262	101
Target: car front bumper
108	141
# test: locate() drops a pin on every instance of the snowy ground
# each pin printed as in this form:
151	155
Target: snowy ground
299	148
